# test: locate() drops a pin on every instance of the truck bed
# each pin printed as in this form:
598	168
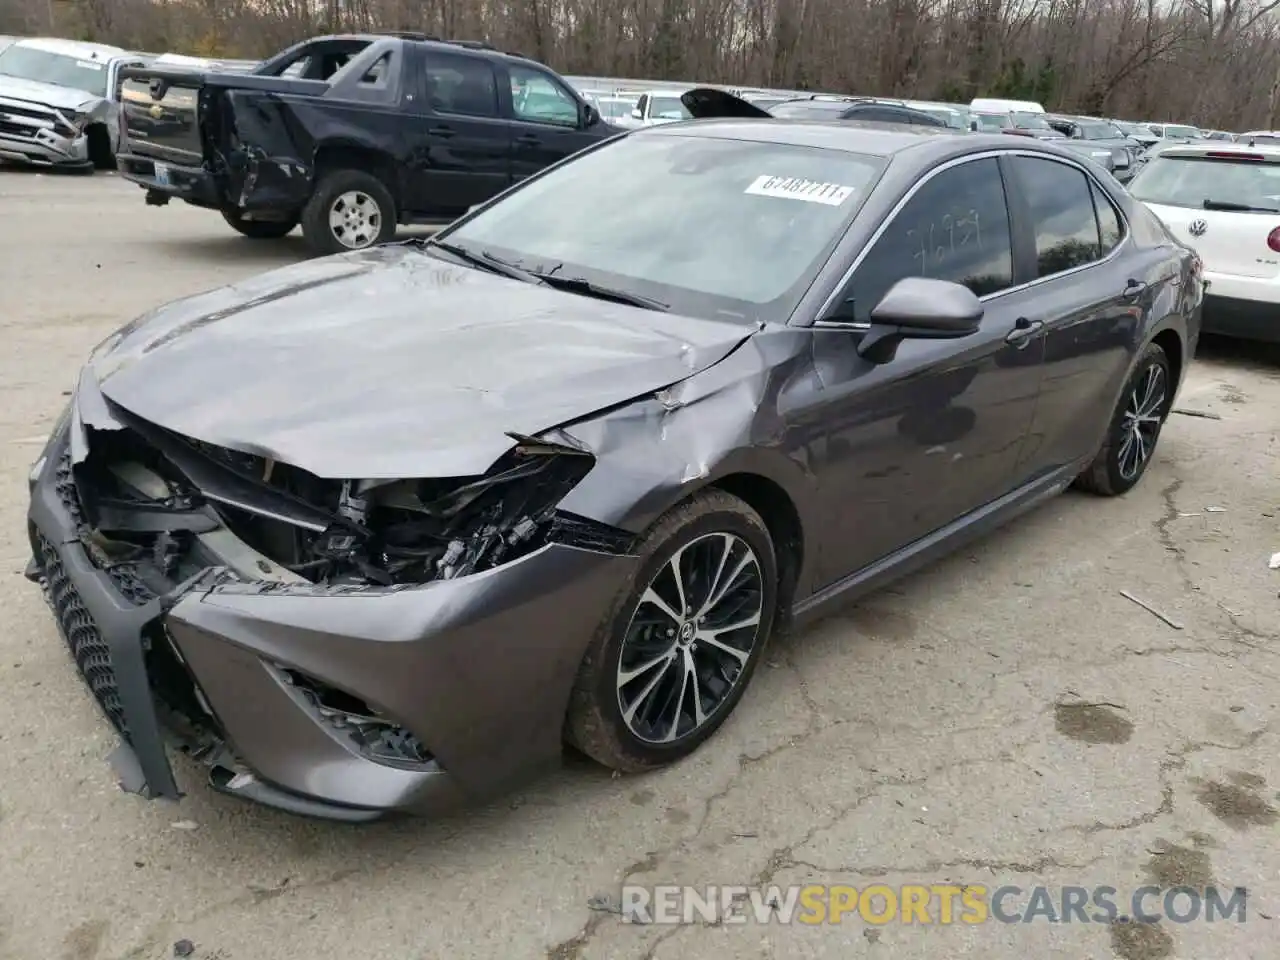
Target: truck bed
166	111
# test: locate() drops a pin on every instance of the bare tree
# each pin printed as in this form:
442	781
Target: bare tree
1212	62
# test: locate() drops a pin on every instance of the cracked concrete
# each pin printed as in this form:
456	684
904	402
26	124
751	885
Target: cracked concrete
1003	718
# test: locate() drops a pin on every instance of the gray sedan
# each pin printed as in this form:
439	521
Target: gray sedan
382	531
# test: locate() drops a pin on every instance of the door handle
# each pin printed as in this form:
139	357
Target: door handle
1022	332
528	139
1133	289
443	133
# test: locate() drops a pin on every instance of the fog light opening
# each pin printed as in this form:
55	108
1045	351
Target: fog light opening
375	736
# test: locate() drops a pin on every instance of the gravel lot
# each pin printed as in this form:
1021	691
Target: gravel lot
919	738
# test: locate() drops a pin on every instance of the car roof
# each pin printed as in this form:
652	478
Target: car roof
1269	151
846	136
71	48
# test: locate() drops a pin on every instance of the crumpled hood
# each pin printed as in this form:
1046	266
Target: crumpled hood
391	363
46	94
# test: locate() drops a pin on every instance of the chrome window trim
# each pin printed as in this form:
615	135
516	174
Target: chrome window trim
970	158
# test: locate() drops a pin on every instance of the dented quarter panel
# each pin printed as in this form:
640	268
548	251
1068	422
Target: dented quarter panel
745	415
278	137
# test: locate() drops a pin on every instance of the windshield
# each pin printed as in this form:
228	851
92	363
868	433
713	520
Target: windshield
716	228
1177	132
1100	131
1190	181
668	108
948	116
1264	138
992	121
612	109
1031	121
31	64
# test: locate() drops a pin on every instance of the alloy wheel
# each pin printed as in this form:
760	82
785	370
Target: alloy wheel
355	219
1140	424
690	638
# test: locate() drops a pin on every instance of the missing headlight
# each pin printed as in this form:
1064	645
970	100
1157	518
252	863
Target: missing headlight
415	531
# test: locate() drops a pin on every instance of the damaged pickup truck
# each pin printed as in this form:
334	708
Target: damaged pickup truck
58	103
350	135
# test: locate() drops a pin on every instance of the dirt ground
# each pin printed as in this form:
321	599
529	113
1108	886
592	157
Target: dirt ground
1005	718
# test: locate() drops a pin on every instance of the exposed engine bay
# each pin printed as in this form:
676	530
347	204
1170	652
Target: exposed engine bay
158	509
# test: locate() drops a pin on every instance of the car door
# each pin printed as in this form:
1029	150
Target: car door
1090	293
935	433
548	121
459	144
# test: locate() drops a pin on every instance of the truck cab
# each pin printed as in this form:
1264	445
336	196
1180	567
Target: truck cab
351	135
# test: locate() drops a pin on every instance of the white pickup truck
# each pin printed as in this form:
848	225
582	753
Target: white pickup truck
59	102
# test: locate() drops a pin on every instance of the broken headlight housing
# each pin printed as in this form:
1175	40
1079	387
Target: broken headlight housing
390	533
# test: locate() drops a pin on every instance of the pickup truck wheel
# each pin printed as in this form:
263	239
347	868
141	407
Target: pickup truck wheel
259	229
350	210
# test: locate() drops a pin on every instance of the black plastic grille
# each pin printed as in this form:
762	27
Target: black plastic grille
88	646
64	484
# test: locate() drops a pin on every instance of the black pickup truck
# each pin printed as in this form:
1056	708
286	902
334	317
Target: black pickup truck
349	135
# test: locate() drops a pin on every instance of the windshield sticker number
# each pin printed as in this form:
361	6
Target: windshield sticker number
796	188
87	65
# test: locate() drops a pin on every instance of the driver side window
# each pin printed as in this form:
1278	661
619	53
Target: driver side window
537	98
955	227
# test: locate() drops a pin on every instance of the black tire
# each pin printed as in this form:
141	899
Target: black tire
331	186
100	152
595	722
259	229
1108	475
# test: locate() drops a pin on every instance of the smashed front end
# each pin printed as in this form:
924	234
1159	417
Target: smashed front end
331	647
42	135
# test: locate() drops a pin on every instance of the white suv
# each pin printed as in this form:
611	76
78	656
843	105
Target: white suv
1223	201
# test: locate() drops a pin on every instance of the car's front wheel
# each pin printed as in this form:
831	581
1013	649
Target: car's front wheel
676	650
350	210
1135	427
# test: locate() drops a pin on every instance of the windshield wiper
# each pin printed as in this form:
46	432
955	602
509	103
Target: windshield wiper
586	288
1237	207
485	261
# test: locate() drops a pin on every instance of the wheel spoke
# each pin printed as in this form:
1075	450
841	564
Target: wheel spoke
724	584
675	564
691	671
677	708
630	713
653	598
626	676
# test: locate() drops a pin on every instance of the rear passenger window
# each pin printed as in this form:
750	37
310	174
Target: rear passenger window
1062	213
955	227
1110	228
461	85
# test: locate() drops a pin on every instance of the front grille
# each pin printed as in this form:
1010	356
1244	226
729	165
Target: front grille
38	113
17	129
64	484
88	646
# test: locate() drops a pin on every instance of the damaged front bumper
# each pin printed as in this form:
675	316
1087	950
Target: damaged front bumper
342	701
36	136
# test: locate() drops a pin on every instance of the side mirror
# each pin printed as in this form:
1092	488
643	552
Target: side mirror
590	115
918	308
973	125
636	114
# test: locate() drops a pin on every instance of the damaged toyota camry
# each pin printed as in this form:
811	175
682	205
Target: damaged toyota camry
383	531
